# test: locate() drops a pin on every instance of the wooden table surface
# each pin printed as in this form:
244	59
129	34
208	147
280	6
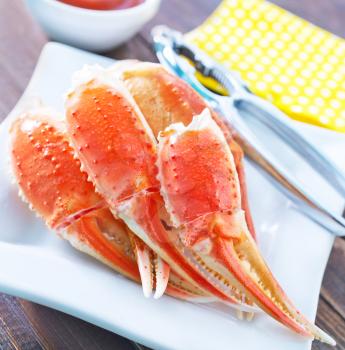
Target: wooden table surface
25	325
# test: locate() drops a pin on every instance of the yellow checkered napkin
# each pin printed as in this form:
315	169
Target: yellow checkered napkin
294	64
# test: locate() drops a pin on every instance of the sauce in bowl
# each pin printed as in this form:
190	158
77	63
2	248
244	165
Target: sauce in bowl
104	4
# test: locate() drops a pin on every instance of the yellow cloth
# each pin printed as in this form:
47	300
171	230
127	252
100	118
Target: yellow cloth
287	60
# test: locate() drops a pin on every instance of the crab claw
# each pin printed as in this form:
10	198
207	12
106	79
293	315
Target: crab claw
164	99
50	179
44	176
201	190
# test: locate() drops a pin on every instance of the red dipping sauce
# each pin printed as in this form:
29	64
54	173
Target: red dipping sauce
104	4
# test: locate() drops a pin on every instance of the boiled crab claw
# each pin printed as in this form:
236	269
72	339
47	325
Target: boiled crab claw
201	191
50	179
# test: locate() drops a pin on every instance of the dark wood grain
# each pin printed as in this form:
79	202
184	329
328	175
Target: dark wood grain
331	308
25	325
21	41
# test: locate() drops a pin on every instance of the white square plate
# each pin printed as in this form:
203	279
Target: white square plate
38	266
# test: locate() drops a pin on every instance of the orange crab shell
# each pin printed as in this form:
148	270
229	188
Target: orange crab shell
54	186
93	123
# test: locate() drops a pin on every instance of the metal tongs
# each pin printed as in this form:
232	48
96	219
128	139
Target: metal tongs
172	51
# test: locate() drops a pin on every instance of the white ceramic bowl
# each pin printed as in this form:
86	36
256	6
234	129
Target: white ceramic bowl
91	29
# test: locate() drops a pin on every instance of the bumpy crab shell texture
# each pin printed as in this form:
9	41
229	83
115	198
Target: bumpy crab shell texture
50	180
184	197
